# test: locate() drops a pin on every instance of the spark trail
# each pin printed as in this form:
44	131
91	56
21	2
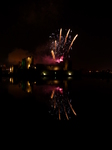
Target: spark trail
55	46
66	37
60	36
53	55
72	42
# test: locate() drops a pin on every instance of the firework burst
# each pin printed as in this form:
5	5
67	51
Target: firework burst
61	44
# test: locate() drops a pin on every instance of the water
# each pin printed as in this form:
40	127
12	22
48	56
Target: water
83	101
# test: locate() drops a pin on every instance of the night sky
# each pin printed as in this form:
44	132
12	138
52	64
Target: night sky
25	28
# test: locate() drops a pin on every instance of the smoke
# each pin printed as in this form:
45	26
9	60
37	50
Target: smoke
43	60
44	89
17	55
42	55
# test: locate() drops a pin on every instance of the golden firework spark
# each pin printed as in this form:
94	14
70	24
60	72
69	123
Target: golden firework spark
53	55
60	36
55	45
66	37
72	42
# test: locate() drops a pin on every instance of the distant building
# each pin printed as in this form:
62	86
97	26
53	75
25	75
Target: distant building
27	62
14	69
27	67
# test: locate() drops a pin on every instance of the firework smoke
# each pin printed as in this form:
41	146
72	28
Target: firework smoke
41	55
17	55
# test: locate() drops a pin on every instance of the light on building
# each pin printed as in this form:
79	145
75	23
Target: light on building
56	81
69	73
28	83
44	73
56	68
28	66
28	62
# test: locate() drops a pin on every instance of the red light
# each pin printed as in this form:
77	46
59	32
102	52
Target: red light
61	58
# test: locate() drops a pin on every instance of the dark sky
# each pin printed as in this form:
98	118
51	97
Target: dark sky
24	26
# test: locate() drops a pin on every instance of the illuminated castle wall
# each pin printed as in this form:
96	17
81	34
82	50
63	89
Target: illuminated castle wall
27	62
65	65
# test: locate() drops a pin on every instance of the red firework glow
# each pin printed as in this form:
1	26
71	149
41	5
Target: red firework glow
59	60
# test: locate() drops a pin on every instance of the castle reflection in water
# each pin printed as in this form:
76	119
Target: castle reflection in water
58	93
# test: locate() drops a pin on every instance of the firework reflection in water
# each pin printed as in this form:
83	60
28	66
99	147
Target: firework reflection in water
61	106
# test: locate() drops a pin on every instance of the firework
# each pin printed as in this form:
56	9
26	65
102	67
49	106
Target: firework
53	55
61	45
60	36
66	37
72	42
55	46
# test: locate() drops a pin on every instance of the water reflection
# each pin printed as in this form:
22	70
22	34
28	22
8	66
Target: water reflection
26	86
61	103
11	80
57	95
56	99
